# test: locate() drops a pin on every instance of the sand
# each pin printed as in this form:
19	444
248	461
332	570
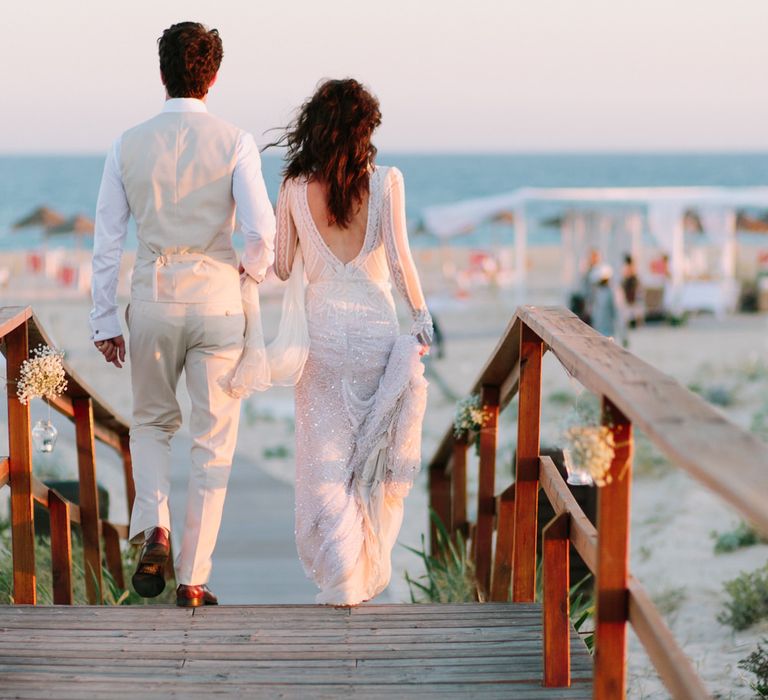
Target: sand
672	516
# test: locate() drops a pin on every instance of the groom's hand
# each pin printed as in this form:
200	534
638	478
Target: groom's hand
113	350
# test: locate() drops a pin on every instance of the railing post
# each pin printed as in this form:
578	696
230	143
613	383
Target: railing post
130	488
459	487
439	501
89	498
612	601
112	553
505	533
527	470
20	471
556	604
61	549
486	486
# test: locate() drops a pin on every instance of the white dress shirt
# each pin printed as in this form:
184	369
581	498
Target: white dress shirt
254	214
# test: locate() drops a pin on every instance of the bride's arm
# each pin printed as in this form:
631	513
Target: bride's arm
401	265
287	237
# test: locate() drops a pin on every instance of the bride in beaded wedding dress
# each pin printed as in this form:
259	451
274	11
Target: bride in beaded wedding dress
361	396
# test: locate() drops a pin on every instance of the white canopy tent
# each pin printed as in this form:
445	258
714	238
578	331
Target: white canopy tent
665	210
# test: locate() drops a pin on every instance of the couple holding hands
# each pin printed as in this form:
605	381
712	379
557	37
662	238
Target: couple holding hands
339	238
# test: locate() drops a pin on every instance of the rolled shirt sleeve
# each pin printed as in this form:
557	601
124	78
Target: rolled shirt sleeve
254	210
110	230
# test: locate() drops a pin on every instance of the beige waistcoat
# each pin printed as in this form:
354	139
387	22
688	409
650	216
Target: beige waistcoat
177	174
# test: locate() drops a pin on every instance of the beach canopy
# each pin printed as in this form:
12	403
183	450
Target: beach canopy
42	216
668	212
79	224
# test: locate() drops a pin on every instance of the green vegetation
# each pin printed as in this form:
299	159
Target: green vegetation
743	535
561	398
648	461
759	424
449	575
450	578
278	452
748	602
113	594
753	369
757	663
722	395
669	601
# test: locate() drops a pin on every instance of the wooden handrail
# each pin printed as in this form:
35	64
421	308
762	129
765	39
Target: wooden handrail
94	419
685	428
691	433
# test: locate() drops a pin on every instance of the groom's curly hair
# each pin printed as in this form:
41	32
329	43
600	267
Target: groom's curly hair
190	56
330	140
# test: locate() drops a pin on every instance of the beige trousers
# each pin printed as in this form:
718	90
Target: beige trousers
205	341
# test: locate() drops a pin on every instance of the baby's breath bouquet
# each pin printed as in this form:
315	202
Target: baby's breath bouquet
469	419
590	446
42	376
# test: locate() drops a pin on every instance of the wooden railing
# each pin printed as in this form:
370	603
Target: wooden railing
94	420
694	436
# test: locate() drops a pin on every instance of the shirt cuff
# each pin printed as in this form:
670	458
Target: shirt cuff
106	327
257	268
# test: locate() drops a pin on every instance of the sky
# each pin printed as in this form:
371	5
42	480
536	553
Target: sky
451	75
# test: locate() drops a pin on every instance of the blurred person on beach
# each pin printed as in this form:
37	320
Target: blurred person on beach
633	291
581	299
607	310
360	395
182	175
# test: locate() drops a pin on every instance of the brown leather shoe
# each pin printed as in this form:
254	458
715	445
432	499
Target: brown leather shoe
195	596
149	579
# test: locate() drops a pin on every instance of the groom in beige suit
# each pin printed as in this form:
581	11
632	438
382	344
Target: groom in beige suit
183	175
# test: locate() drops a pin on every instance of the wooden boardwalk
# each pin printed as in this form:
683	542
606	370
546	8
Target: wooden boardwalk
292	651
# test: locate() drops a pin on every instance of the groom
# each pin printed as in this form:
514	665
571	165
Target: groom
181	175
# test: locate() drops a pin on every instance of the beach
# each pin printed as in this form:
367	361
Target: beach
673	517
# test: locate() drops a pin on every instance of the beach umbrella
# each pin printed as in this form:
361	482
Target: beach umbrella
42	216
80	225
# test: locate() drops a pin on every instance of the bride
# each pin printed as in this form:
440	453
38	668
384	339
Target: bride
361	396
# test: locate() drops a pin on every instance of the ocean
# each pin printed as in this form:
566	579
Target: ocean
70	184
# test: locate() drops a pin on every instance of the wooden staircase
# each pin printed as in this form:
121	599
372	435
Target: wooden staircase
513	647
301	651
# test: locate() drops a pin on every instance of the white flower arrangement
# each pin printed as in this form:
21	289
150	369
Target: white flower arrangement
591	449
470	418
589	444
42	375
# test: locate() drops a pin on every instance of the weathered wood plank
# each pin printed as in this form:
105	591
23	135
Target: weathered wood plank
685	428
556	607
458	474
130	488
112	553
505	539
61	548
583	534
673	666
376	651
20	461
486	501
611	581
89	498
527	468
439	502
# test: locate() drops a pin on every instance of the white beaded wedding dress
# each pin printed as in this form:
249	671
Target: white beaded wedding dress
361	397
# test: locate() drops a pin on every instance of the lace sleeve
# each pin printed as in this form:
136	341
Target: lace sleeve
287	237
401	265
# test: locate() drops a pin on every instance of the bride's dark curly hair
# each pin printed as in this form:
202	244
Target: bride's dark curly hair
330	140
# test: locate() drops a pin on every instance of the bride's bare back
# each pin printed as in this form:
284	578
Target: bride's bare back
345	243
